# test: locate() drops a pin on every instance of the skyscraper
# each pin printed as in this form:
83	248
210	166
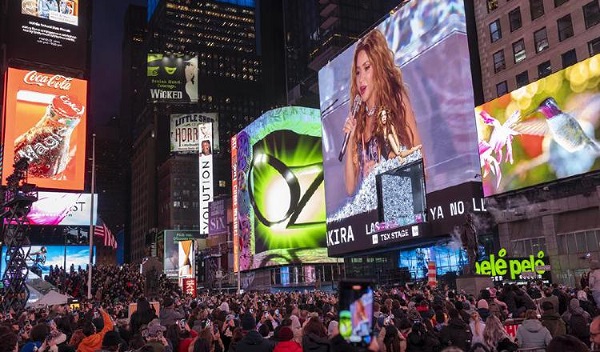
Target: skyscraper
222	35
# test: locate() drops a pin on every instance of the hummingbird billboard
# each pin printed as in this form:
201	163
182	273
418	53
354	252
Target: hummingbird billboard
542	132
397	120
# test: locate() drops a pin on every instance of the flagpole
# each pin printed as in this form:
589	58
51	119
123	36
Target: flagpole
91	233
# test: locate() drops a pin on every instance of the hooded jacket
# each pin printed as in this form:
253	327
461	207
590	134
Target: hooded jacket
575	308
554	323
532	334
254	342
94	342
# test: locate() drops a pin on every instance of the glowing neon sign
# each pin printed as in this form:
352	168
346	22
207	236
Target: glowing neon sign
513	268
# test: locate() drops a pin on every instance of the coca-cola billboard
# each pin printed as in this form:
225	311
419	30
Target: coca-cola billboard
45	121
49	31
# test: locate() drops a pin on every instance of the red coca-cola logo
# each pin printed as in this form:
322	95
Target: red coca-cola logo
52	81
68	106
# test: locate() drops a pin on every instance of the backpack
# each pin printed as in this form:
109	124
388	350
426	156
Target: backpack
579	327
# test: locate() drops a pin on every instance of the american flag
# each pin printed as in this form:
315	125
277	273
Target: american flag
102	230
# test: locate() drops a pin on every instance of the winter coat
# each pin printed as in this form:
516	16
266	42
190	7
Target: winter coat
288	346
170	316
315	343
456	333
254	342
554	323
594	280
575	308
93	342
509	297
532	334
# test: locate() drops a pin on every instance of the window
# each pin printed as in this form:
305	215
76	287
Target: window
519	51
569	58
514	17
527	247
499	63
557	3
541	40
591	14
565	27
594	46
544	69
492	5
522	79
501	88
537	8
495	31
578	242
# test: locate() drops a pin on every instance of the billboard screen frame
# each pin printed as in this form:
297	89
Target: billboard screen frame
33	95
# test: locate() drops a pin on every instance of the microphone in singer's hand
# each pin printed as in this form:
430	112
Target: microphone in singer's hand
355	106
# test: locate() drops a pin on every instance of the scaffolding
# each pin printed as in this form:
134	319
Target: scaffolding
17	200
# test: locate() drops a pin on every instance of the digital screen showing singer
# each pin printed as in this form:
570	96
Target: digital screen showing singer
408	110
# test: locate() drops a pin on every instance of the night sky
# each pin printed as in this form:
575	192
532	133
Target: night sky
107	39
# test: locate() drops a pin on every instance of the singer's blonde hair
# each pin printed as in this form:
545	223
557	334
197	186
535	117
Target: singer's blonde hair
389	88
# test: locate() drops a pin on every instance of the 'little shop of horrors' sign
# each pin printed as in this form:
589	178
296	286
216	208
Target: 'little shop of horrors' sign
534	267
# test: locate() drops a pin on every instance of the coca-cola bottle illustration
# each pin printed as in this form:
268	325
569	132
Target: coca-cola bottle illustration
47	144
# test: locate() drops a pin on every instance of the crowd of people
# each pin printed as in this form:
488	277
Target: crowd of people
405	319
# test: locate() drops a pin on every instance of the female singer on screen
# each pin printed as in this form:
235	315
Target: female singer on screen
379	84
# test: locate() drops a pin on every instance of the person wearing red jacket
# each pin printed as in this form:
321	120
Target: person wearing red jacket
286	341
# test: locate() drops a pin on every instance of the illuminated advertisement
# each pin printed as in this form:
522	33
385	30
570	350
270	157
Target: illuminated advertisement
70	209
179	255
542	132
279	213
184	132
41	258
45	121
205	171
503	269
395	126
52	32
217	217
172	78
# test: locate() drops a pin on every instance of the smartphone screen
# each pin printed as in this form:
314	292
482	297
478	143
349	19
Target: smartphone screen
356	311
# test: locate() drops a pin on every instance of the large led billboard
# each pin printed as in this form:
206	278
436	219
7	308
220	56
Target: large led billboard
387	107
205	173
172	78
185	134
41	258
544	131
179	253
66	209
45	121
52	32
278	190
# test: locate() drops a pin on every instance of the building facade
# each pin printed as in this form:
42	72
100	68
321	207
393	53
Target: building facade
223	36
522	41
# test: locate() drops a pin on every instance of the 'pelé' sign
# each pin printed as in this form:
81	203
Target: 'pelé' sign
502	268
